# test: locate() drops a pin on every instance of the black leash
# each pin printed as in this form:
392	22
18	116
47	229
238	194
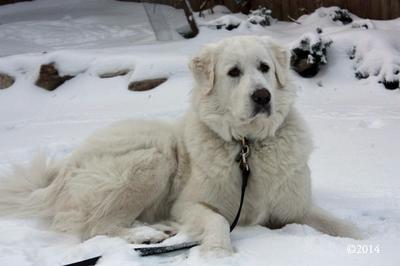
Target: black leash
88	262
149	251
245	169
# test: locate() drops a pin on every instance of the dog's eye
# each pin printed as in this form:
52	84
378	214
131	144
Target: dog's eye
234	72
263	67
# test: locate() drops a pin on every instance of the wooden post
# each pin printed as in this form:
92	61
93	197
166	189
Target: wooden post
189	16
6	2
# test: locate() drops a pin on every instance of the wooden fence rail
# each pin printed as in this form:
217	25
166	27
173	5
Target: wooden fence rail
6	2
281	9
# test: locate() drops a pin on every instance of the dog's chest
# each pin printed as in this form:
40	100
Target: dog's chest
267	183
273	185
272	182
264	184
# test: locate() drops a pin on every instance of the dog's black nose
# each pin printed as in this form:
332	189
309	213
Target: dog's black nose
261	97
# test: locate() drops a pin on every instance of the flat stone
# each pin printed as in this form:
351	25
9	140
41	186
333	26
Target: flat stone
6	81
121	72
49	77
145	85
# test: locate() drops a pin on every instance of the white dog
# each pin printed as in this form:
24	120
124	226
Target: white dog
128	179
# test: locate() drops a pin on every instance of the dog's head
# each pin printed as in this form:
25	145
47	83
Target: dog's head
242	86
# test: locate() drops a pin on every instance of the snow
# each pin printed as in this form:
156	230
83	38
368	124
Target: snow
45	25
355	124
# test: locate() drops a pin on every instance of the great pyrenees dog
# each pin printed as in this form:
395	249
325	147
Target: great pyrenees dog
144	180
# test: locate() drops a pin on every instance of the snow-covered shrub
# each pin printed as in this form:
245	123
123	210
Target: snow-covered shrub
309	53
228	22
261	16
377	57
341	15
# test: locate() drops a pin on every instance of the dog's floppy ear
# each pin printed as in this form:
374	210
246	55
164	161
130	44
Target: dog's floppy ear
202	67
281	57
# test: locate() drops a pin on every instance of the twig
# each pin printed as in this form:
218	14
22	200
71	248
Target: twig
292	19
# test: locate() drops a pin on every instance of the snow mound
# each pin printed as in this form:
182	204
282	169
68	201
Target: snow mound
259	17
328	16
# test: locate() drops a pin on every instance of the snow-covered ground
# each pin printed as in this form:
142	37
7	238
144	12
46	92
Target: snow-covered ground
355	123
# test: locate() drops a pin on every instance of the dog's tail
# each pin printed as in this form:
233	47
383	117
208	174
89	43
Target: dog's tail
326	223
25	191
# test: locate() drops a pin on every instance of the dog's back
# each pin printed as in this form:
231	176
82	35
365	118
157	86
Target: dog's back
123	174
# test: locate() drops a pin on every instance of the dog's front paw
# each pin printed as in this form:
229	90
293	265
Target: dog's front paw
169	228
144	235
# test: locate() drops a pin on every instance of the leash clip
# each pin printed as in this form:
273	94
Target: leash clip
244	154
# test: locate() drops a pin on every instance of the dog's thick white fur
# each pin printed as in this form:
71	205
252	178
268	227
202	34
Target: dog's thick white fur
127	180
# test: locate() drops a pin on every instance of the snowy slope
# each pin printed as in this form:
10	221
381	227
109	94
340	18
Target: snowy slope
355	123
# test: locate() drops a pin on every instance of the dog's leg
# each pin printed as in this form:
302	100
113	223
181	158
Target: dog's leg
327	223
212	228
114	226
138	233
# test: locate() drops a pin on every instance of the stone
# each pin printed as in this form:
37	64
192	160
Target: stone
145	85
121	72
6	81
49	78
